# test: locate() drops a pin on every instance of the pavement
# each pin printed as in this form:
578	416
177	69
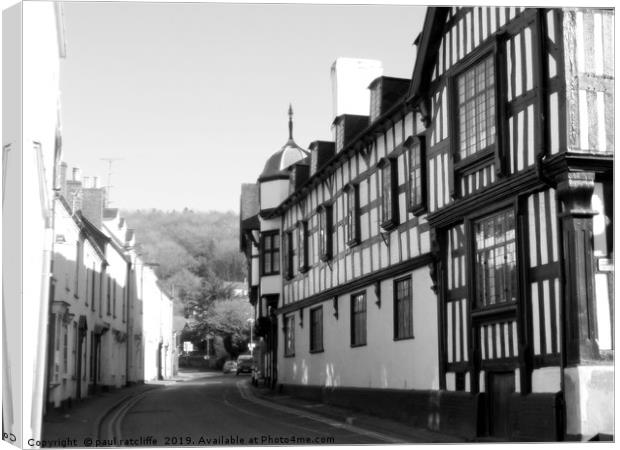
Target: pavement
389	427
73	427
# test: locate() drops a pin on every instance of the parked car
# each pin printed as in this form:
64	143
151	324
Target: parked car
245	364
229	366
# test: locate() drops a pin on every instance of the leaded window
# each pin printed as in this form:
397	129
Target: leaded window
302	245
417	184
325	232
495	259
288	252
476	108
351	199
389	193
270	253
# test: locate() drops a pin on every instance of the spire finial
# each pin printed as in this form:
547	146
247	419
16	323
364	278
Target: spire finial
290	121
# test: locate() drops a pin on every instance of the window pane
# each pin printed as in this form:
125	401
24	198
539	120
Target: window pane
476	108
495	259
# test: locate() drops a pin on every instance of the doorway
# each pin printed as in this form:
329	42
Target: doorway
501	385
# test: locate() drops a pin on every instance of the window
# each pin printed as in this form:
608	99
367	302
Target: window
65	349
124	301
114	301
358	319
325	232
271	253
417	175
302	245
78	264
74	354
352	214
495	259
289	336
389	192
92	288
476	108
109	296
316	329
101	274
403	310
288	254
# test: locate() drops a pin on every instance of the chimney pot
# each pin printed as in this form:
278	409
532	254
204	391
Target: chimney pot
76	174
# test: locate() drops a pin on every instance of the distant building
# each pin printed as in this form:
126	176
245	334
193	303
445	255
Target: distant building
448	258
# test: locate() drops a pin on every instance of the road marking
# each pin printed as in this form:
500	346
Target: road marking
247	394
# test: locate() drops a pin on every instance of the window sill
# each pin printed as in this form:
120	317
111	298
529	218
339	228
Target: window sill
417	210
353	242
304	269
389	225
270	274
484	311
405	338
292	355
359	345
477	159
317	351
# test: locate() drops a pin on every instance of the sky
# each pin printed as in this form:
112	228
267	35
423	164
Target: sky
193	97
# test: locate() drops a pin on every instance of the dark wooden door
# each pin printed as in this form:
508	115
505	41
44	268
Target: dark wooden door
501	386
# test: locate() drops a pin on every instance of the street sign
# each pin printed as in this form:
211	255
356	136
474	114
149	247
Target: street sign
251	346
188	346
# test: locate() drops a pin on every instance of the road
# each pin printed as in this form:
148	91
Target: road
209	408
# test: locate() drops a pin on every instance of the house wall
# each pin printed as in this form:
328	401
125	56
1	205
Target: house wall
382	362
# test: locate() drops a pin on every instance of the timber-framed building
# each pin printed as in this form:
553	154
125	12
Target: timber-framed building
448	258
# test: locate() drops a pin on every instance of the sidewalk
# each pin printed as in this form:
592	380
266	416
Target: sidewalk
377	424
83	418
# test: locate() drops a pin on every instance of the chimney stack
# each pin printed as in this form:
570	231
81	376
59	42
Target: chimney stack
350	80
93	201
76	174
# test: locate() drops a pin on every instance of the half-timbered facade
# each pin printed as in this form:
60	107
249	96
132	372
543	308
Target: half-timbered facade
448	258
519	111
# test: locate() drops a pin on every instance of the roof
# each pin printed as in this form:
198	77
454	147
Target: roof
110	213
428	49
289	154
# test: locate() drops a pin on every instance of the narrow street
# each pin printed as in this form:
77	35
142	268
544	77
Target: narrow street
209	408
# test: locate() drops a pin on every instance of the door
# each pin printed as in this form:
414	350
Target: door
501	386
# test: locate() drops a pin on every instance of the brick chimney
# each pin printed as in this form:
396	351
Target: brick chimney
93	201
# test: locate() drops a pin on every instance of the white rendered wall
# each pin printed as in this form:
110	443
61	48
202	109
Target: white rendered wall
383	362
272	193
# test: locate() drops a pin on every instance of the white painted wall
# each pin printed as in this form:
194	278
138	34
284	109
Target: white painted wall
589	397
383	362
272	193
31	166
